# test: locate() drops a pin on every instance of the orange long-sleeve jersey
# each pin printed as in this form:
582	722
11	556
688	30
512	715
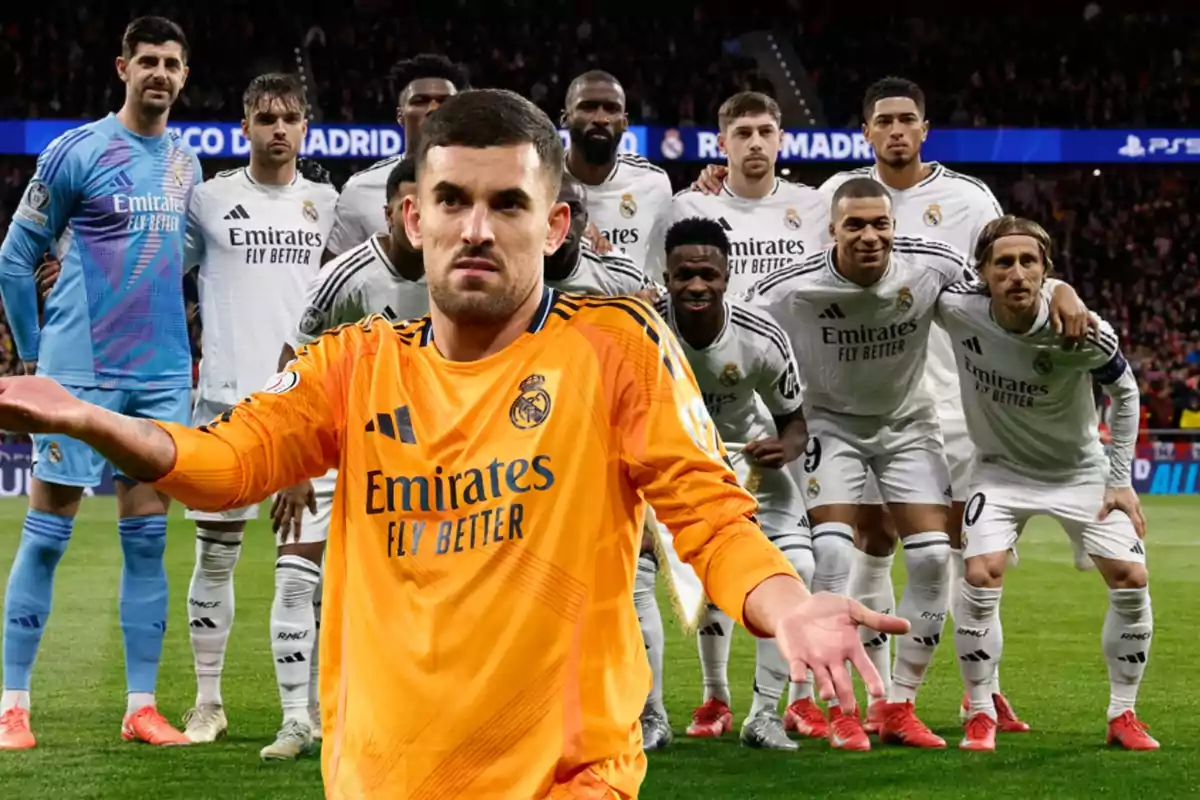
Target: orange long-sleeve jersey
478	632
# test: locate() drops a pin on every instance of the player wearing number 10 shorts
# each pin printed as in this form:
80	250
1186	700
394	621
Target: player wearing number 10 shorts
1032	416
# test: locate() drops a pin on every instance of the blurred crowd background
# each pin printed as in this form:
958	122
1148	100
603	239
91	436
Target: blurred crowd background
1127	236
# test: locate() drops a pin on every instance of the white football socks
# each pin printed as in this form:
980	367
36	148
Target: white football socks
14	698
1128	629
293	633
923	604
797	548
871	584
714	640
833	552
770	677
979	644
210	608
650	620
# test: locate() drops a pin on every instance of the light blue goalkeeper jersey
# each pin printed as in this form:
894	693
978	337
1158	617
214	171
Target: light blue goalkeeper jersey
112	205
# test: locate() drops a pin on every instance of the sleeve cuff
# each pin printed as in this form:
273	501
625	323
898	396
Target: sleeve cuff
739	567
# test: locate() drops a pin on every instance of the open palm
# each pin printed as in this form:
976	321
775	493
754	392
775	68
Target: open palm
37	405
822	635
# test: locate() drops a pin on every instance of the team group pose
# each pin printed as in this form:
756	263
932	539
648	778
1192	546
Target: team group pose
885	360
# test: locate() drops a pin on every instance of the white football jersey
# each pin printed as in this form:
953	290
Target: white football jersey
766	234
357	284
1029	403
952	208
612	274
862	349
631	208
747	375
360	207
257	248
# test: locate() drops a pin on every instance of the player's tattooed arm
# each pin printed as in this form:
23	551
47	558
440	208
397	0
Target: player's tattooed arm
138	447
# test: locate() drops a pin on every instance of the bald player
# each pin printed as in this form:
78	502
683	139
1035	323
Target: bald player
629	199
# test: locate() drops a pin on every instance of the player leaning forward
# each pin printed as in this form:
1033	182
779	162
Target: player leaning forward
750	384
483	571
858	316
1031	414
255	236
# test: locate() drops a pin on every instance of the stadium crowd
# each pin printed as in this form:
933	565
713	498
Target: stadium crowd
1126	237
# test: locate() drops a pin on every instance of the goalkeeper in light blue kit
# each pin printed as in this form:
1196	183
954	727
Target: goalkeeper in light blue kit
110	199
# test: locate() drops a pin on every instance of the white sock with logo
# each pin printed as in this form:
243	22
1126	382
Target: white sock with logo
211	607
293	632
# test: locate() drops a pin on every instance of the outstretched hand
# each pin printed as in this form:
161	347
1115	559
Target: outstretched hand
37	405
822	635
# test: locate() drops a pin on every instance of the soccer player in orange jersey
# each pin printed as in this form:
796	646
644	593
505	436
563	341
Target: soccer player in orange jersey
493	457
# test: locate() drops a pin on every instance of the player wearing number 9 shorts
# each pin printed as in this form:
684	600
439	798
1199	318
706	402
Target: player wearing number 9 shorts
1032	416
750	386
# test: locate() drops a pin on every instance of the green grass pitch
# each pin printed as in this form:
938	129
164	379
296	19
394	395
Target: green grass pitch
1053	672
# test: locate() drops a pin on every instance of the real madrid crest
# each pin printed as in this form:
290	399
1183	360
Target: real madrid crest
54	453
814	488
628	206
309	211
904	299
532	406
933	215
792	219
1043	364
730	375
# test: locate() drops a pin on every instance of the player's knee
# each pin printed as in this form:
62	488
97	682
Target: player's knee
833	548
647	542
927	557
800	555
218	553
1127	575
875	533
54	498
986	572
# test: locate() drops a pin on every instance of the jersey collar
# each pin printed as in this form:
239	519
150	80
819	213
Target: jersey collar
727	192
540	317
252	182
1039	322
934	174
714	343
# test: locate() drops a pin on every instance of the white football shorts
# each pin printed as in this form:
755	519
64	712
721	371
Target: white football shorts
905	456
205	411
781	513
1001	502
314	528
958	451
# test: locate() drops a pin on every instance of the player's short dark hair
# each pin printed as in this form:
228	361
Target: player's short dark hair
858	189
592	76
405	171
1012	225
493	118
152	30
285	86
891	86
428	65
697	231
746	103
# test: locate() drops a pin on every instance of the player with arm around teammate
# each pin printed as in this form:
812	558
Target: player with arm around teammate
1032	416
255	235
750	384
383	275
858	316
